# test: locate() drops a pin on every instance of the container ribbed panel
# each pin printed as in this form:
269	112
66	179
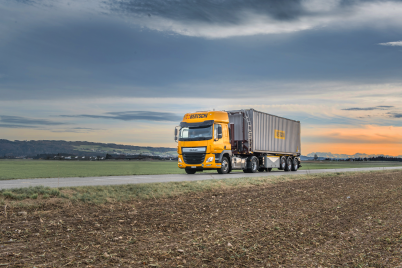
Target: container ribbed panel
263	127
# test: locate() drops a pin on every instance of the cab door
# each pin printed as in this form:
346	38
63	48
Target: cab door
218	139
225	137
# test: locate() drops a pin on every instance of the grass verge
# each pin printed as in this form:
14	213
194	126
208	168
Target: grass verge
121	193
28	169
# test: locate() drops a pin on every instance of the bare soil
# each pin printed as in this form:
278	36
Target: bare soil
346	221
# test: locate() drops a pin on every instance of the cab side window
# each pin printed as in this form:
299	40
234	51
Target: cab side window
217	131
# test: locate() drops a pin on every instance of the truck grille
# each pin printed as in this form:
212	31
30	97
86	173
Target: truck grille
193	158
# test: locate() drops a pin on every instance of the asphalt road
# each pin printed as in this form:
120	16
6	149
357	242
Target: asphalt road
115	180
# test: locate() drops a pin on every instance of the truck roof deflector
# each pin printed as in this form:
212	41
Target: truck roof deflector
206	123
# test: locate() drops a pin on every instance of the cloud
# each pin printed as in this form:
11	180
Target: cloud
133	115
27	121
228	18
85	128
76	130
395	115
224	18
210	11
392	44
15	126
365	134
383	107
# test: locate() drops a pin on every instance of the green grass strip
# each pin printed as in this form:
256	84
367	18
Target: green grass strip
28	169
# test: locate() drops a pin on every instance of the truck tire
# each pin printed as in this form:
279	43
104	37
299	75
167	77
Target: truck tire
190	171
295	164
262	169
282	163
288	166
269	169
253	164
225	166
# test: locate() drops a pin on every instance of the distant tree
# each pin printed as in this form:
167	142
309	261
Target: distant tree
315	157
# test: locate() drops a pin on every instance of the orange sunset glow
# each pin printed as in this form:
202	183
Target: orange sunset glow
368	139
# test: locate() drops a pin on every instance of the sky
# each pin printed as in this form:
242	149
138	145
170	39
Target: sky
126	71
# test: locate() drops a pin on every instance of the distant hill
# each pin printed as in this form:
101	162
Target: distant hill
33	148
346	156
304	158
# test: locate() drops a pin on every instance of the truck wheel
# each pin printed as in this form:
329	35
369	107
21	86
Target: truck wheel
262	169
269	169
224	167
295	164
190	171
253	164
288	166
282	165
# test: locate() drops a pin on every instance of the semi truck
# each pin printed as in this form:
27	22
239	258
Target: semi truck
246	140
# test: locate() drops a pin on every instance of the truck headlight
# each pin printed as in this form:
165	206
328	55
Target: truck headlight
210	159
180	160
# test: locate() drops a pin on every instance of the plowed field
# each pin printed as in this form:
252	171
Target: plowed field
346	221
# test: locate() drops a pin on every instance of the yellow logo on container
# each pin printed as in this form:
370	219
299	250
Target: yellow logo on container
279	134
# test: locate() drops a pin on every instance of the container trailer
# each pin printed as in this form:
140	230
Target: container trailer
246	140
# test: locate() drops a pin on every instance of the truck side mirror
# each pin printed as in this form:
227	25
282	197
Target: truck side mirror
176	132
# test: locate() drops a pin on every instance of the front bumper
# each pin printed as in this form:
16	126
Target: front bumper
202	166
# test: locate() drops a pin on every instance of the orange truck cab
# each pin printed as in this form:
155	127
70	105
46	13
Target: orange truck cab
227	140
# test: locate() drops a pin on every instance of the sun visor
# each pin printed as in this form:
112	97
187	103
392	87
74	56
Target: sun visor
206	123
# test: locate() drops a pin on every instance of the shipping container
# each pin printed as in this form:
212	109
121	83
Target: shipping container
265	132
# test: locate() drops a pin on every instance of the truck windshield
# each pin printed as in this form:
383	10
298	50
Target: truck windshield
195	133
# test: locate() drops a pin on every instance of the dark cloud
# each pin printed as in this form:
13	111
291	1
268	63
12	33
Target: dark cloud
15	126
26	1
27	121
223	11
73	57
85	128
133	115
395	115
210	11
369	108
77	130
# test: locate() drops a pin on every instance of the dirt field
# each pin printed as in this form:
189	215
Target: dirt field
347	221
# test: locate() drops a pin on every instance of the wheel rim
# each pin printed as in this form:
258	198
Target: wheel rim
254	165
225	165
283	164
